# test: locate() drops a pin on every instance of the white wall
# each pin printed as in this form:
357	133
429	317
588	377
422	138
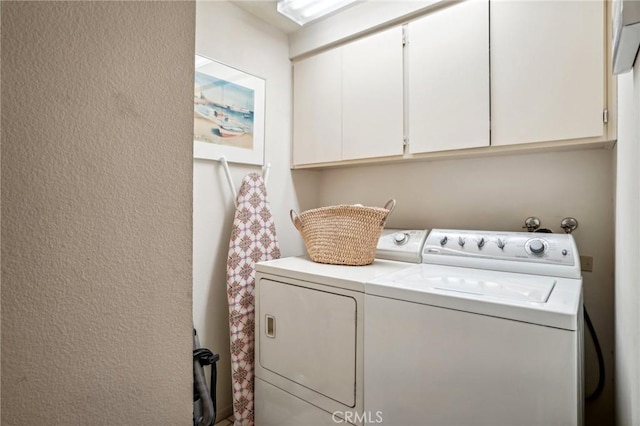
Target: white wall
485	193
498	193
230	35
627	267
96	212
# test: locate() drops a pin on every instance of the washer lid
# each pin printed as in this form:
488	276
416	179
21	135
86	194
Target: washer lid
526	288
543	300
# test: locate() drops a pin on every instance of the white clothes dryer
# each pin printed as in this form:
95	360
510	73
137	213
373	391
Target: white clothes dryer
486	331
309	349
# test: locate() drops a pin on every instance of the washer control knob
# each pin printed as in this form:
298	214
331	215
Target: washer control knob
481	243
501	244
400	238
536	247
444	240
461	241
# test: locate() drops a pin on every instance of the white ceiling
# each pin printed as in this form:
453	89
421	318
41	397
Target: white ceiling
266	10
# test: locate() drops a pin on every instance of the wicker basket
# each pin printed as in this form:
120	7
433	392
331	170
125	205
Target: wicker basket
344	234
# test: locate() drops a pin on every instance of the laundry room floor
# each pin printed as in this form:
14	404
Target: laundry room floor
226	422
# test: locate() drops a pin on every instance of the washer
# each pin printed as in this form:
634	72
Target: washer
309	361
486	331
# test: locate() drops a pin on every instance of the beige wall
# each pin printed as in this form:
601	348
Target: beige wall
96	212
628	250
231	36
498	193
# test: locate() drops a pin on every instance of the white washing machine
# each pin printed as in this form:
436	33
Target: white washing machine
309	360
486	331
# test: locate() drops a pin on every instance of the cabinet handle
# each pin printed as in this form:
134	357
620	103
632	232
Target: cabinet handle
271	326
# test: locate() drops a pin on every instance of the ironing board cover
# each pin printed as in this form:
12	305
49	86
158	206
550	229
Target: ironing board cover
253	239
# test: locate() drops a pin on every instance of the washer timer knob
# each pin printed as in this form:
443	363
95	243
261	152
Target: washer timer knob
536	247
481	243
444	240
501	244
461	241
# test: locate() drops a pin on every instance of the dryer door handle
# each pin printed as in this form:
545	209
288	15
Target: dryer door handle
270	329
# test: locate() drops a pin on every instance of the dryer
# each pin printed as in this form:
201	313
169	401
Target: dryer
486	331
309	360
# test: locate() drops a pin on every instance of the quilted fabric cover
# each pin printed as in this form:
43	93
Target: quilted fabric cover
253	239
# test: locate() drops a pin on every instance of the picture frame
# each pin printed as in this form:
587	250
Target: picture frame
229	113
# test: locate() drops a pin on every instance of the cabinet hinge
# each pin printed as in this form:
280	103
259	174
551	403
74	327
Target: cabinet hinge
605	116
405	38
405	141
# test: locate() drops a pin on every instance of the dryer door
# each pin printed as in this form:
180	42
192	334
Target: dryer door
309	337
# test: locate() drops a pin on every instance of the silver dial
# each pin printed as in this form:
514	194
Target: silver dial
536	246
461	241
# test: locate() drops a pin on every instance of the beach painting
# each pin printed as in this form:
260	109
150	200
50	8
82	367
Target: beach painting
228	112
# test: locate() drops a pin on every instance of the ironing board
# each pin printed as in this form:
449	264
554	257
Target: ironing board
253	239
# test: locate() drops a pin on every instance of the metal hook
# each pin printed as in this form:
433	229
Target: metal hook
223	160
265	173
227	172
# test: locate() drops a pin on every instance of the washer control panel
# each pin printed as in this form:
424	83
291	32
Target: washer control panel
495	249
401	244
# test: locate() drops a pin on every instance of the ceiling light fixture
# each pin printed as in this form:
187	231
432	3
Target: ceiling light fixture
304	11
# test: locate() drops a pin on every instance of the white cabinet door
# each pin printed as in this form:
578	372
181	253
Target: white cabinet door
372	108
449	78
317	108
547	70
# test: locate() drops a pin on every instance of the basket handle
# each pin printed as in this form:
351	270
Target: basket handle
390	205
297	222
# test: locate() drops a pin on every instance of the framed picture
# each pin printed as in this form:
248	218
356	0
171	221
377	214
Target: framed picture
228	111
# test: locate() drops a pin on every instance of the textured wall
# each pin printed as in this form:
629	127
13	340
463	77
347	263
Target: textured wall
498	193
230	35
628	250
96	212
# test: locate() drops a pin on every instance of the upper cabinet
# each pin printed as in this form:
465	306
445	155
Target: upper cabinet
470	77
372	110
317	115
348	101
448	78
547	71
